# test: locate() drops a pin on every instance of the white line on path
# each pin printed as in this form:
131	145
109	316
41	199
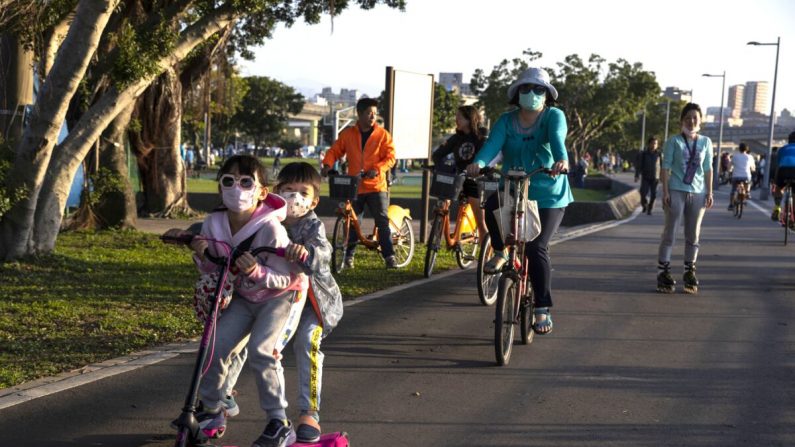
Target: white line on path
64	381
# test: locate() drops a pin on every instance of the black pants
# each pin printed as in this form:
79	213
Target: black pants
648	187
536	251
377	203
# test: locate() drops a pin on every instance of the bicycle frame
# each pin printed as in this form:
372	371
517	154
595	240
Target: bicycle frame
443	209
516	267
345	209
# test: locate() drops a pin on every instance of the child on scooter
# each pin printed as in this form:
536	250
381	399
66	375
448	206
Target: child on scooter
269	295
299	185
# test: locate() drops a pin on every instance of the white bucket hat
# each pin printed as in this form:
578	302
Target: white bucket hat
532	75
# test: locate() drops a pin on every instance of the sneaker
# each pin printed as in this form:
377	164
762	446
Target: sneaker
213	425
391	262
730	208
348	262
230	405
278	433
308	430
776	212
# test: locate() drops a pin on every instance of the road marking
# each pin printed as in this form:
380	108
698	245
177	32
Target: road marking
64	381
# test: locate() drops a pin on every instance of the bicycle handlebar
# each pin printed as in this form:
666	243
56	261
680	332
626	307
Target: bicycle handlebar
186	239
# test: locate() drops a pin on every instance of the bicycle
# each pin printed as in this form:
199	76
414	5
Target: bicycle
188	431
464	240
787	215
515	303
739	198
345	189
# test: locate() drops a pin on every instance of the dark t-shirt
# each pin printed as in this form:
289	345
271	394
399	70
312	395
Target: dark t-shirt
463	146
366	136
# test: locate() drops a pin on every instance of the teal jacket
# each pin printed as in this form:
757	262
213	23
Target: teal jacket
541	147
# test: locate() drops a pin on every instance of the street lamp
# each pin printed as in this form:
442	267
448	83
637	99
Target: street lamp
716	167
764	190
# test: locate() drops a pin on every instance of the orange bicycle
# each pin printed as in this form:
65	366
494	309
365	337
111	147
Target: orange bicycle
345	188
464	240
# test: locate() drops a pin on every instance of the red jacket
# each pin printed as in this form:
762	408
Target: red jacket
378	154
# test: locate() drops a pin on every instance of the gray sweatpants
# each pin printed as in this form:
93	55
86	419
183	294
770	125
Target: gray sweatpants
309	361
685	206
270	325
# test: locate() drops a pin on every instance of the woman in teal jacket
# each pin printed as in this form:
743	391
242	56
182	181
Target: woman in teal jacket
530	137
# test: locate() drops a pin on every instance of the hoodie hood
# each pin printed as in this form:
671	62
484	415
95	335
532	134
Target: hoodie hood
272	208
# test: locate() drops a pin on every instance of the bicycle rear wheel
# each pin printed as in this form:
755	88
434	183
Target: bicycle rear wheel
339	242
739	209
505	319
403	243
787	214
487	283
434	241
467	250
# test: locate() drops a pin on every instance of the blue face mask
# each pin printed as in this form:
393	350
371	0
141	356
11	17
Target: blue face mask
532	101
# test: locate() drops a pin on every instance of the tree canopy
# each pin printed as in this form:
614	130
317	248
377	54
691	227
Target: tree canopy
265	107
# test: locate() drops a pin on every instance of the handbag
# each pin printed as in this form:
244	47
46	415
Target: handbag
529	226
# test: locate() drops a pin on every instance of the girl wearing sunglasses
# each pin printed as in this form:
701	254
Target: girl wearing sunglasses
268	297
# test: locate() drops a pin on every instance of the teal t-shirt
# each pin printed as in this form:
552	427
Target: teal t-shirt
530	149
676	156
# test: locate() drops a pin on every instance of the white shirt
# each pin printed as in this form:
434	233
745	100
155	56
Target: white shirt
743	165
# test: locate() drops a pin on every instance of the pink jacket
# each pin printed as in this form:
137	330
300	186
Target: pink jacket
273	276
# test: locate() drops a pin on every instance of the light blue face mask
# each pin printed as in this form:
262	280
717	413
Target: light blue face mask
532	101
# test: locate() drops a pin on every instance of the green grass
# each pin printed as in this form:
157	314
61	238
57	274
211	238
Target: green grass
590	195
106	294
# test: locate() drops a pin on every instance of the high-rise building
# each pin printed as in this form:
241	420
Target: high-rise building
677	94
755	98
736	100
454	81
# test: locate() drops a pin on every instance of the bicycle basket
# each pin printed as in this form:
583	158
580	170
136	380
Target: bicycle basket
446	185
343	187
487	188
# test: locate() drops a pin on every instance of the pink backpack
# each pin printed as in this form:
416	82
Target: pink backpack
339	439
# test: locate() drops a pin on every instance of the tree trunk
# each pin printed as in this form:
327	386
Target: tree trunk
35	149
50	203
156	146
118	208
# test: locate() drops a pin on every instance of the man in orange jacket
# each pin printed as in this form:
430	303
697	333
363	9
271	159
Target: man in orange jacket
371	153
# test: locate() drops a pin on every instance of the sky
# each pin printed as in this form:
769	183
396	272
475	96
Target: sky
679	40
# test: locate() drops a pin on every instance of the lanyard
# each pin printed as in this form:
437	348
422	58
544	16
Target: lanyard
691	152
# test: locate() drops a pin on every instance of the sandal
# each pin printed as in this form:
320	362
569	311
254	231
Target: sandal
495	264
543	321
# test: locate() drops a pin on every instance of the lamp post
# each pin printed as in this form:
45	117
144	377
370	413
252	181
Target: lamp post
716	163
764	190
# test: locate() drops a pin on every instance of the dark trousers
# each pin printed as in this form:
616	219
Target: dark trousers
648	187
377	203
536	251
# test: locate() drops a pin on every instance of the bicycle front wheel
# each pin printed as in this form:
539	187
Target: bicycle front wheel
487	283
403	243
433	246
505	319
339	242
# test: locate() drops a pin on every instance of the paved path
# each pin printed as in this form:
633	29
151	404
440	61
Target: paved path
625	366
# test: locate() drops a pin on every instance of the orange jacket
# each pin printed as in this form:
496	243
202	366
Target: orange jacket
378	154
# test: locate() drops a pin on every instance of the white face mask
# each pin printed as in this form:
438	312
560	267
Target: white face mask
239	200
297	204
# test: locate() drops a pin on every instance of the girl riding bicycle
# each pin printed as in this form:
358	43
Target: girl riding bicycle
464	144
531	137
268	297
